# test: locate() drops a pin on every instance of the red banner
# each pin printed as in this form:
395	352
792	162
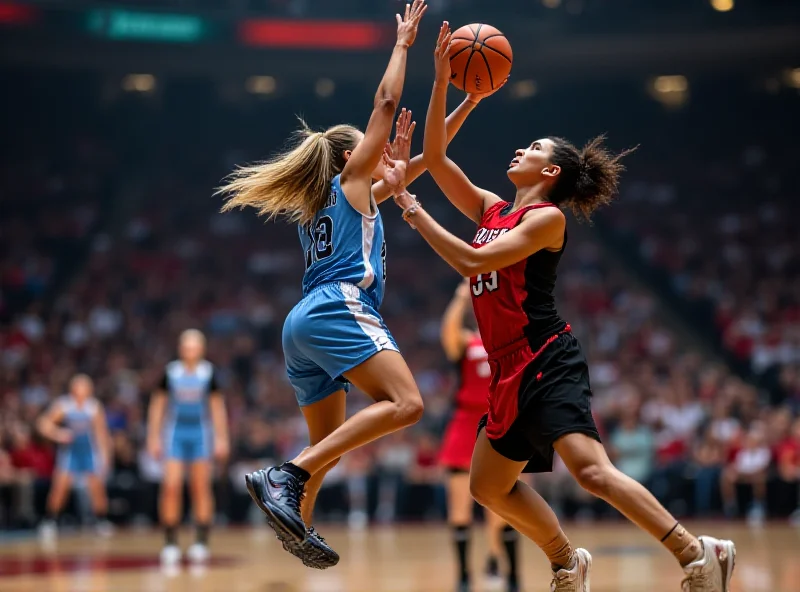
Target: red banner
16	14
345	35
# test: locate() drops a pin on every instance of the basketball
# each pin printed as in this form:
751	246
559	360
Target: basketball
480	58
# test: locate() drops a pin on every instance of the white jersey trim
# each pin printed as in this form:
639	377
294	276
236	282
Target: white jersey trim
367	238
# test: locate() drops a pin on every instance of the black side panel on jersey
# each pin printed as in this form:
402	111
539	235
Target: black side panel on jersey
539	304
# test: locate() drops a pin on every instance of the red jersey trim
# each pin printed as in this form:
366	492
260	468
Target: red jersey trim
519	343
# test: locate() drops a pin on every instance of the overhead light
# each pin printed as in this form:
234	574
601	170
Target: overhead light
260	85
722	5
669	84
523	89
792	78
670	91
325	87
143	83
551	3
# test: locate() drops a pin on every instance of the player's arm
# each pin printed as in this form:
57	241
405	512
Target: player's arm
48	425
103	437
453	334
219	420
471	200
539	229
416	166
357	173
155	417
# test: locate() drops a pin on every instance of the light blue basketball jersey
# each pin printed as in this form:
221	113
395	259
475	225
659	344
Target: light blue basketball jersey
188	392
343	245
79	455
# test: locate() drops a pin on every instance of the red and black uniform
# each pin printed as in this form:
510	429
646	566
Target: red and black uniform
471	402
539	388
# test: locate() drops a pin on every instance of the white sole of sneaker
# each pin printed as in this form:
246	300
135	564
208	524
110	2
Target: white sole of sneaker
730	549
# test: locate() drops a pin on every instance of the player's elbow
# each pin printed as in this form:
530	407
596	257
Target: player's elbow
41	426
469	266
386	103
434	159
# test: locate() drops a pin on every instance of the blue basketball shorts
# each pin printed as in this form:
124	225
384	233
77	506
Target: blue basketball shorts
329	332
78	460
187	443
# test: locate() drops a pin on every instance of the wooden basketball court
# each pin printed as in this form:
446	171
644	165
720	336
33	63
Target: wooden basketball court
390	559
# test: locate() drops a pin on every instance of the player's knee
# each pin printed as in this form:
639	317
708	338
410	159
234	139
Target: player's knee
410	410
486	492
171	490
596	478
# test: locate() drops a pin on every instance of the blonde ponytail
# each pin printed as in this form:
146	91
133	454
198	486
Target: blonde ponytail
294	184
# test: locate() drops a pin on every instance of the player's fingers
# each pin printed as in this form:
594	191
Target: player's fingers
422	13
408	12
411	129
399	19
442	32
446	43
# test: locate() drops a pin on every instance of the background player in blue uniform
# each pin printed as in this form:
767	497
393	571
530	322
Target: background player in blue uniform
334	336
77	423
187	424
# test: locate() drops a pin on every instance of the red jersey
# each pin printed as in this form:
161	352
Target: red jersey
473	389
515	304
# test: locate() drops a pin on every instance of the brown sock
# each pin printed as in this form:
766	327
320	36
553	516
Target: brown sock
682	544
559	552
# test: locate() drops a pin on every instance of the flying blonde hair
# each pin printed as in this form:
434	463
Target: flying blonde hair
296	182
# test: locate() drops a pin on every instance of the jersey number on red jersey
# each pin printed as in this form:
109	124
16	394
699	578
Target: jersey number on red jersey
485	282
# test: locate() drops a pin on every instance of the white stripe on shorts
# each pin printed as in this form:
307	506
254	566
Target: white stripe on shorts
368	323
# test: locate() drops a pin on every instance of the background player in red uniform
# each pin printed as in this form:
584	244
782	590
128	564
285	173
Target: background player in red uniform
540	397
463	346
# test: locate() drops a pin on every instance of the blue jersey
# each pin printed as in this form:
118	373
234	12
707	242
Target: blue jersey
187	392
79	456
343	245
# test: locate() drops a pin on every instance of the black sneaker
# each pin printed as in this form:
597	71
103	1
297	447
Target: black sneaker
279	494
316	552
313	552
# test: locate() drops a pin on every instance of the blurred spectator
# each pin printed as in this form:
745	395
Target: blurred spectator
748	466
631	445
788	456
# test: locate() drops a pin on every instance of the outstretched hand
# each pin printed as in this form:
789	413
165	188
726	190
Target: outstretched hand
477	98
441	54
401	147
397	154
407	25
394	174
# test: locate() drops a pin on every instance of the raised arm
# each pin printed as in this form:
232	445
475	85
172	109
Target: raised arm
416	166
472	201
453	334
540	229
357	174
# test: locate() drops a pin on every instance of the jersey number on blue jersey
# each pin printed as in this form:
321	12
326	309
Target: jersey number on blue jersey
321	237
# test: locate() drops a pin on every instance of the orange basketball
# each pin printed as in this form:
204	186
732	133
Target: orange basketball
480	58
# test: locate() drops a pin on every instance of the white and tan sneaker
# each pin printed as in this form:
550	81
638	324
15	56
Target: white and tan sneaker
575	579
171	555
713	571
198	553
